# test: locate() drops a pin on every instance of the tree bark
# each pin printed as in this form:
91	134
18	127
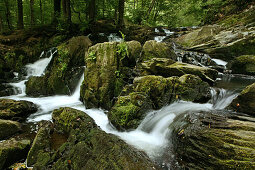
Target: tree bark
41	12
32	16
20	14
57	10
121	13
1	23
68	11
92	11
8	14
64	8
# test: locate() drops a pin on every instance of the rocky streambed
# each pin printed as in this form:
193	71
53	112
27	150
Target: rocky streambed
133	105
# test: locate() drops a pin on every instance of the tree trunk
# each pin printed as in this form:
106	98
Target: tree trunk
64	8
1	23
68	11
92	11
150	9
41	13
8	14
121	13
32	16
57	10
20	15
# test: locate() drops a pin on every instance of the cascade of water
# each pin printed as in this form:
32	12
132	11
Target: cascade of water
114	37
35	69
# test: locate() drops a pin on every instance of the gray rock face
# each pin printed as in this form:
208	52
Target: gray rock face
220	42
211	141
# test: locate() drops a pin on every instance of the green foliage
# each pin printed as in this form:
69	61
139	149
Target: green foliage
92	56
122	48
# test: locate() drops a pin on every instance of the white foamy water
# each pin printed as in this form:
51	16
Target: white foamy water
220	62
152	134
114	37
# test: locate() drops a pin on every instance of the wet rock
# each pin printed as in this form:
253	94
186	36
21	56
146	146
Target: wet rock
108	71
16	110
64	70
245	101
8	128
88	147
214	140
6	90
154	92
13	150
154	49
167	68
243	65
40	150
220	42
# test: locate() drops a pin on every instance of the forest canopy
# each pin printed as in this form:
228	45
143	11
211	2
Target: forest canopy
19	14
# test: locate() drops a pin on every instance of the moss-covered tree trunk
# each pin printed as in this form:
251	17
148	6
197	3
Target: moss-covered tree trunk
20	14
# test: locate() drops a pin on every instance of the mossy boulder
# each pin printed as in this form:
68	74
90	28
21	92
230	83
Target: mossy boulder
40	150
109	69
8	128
220	42
243	65
153	92
154	49
245	101
168	68
214	140
64	70
88	147
13	150
16	110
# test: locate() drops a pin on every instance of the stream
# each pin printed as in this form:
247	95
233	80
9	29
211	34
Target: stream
153	133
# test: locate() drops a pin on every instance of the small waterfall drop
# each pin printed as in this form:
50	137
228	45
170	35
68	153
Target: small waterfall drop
35	69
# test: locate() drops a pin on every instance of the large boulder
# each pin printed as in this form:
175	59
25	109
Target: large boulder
243	65
16	110
8	128
245	101
109	69
64	70
13	150
167	68
214	140
154	49
87	146
220	42
154	92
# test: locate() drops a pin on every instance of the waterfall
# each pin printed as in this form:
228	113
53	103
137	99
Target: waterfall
35	69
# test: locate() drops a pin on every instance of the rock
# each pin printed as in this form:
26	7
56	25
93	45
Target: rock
107	72
16	110
88	147
243	65
214	140
154	49
64	70
13	150
40	150
8	128
220	42
154	92
245	101
168	68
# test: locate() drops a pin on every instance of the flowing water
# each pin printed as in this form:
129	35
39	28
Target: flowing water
152	134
